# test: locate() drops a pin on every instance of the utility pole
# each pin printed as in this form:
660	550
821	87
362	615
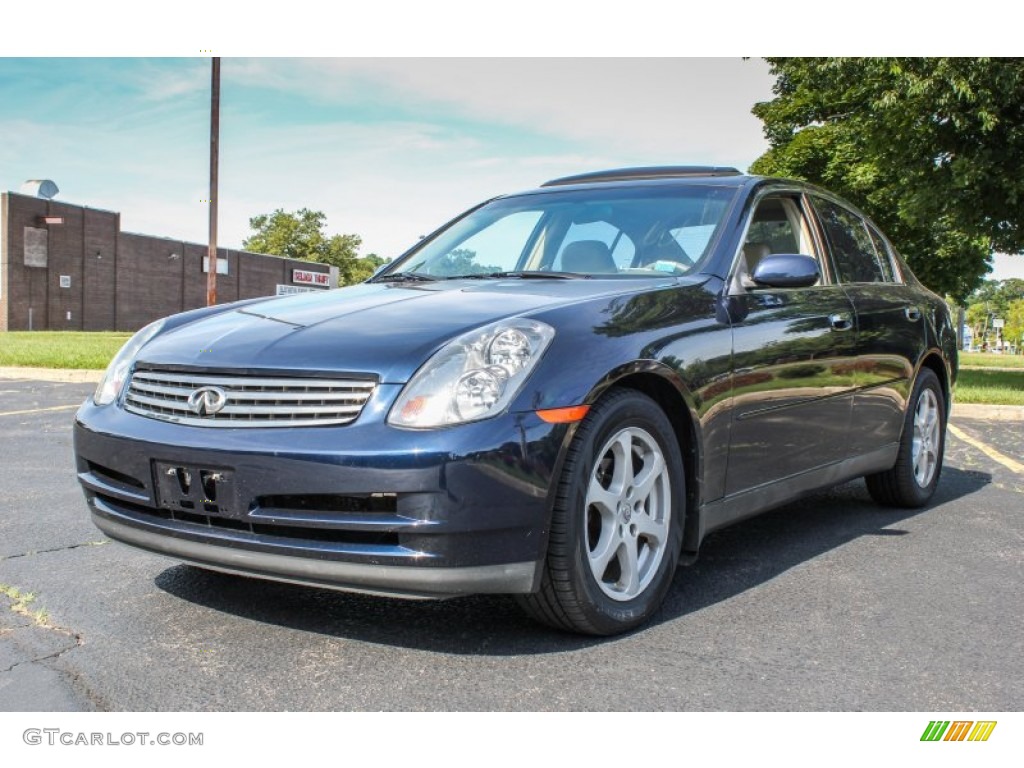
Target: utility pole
211	275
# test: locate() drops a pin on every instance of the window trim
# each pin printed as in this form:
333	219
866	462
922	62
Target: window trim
865	222
890	252
798	196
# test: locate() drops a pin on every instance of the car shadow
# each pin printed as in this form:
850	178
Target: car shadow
732	561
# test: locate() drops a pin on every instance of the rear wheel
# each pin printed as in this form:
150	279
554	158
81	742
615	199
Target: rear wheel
617	522
913	479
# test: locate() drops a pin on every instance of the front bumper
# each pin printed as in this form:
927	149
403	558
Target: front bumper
396	580
363	507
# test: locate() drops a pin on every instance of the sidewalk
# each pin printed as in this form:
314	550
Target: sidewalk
988	412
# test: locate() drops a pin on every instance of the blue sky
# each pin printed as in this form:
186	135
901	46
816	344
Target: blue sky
387	148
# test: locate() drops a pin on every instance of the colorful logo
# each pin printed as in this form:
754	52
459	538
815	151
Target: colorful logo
958	730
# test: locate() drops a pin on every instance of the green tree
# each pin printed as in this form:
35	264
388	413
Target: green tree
928	147
993	299
979	320
1013	331
301	235
298	235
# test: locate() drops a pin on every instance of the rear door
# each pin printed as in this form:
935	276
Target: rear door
890	325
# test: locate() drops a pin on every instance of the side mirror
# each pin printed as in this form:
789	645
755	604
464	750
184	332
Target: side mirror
786	270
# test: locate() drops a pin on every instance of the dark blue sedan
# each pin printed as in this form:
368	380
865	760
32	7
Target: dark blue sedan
557	395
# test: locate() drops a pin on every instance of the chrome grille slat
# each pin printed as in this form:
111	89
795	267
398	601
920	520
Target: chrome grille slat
244	382
180	405
252	401
145	386
301	409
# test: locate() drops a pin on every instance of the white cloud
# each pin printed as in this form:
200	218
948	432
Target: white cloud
684	110
389	149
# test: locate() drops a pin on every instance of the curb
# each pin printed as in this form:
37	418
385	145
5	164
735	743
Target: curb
988	412
64	375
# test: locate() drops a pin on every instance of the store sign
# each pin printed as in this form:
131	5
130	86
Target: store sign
222	265
289	290
306	277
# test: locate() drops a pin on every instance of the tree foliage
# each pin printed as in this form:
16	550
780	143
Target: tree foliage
1014	329
929	147
301	235
1002	299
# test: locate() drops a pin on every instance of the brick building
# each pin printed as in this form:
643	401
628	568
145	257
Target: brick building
66	267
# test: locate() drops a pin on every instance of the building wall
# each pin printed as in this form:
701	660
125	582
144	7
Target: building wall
118	280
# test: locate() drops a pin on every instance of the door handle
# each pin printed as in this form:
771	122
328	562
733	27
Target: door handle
913	314
841	321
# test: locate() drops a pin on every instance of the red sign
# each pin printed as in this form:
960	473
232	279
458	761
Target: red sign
306	277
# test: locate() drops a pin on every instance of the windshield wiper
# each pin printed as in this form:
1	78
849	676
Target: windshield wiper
404	277
527	275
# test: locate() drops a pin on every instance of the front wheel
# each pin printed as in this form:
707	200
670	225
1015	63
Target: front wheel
617	522
913	479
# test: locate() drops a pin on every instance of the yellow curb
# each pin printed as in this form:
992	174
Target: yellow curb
992	453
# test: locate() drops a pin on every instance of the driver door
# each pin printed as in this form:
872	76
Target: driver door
794	352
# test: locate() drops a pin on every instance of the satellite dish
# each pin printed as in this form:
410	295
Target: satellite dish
43	188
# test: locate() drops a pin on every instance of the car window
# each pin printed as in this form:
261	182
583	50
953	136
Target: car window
631	232
884	254
494	249
852	250
693	240
778	225
771	226
619	243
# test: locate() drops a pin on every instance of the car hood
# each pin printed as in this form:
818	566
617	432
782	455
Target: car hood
378	328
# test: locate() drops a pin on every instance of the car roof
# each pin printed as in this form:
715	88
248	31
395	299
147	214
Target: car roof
648	176
646	173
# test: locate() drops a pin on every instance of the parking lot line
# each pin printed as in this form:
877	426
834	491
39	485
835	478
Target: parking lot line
40	410
992	453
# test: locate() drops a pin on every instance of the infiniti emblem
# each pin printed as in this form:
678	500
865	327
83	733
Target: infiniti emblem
207	401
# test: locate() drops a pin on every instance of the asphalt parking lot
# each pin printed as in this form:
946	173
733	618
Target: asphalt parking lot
828	604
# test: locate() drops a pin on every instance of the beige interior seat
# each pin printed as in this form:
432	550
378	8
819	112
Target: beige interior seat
753	253
588	257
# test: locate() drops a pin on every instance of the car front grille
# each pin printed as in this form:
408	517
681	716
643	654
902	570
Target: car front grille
232	400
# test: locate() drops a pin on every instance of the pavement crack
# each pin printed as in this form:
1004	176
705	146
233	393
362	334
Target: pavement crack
55	549
54	655
20	602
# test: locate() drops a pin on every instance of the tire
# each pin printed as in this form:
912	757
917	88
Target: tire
617	527
913	479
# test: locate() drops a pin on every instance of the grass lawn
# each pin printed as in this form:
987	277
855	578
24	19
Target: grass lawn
988	360
60	349
990	387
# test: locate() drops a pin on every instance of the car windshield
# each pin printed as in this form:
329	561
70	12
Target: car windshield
621	232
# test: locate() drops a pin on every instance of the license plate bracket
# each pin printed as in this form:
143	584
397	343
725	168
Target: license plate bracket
194	489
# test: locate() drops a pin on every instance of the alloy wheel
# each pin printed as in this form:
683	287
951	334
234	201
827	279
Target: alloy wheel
925	449
628	513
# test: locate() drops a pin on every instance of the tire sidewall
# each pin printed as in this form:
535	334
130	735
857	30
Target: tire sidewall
631	410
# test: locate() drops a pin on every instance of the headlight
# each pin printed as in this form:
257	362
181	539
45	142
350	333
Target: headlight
117	372
474	376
